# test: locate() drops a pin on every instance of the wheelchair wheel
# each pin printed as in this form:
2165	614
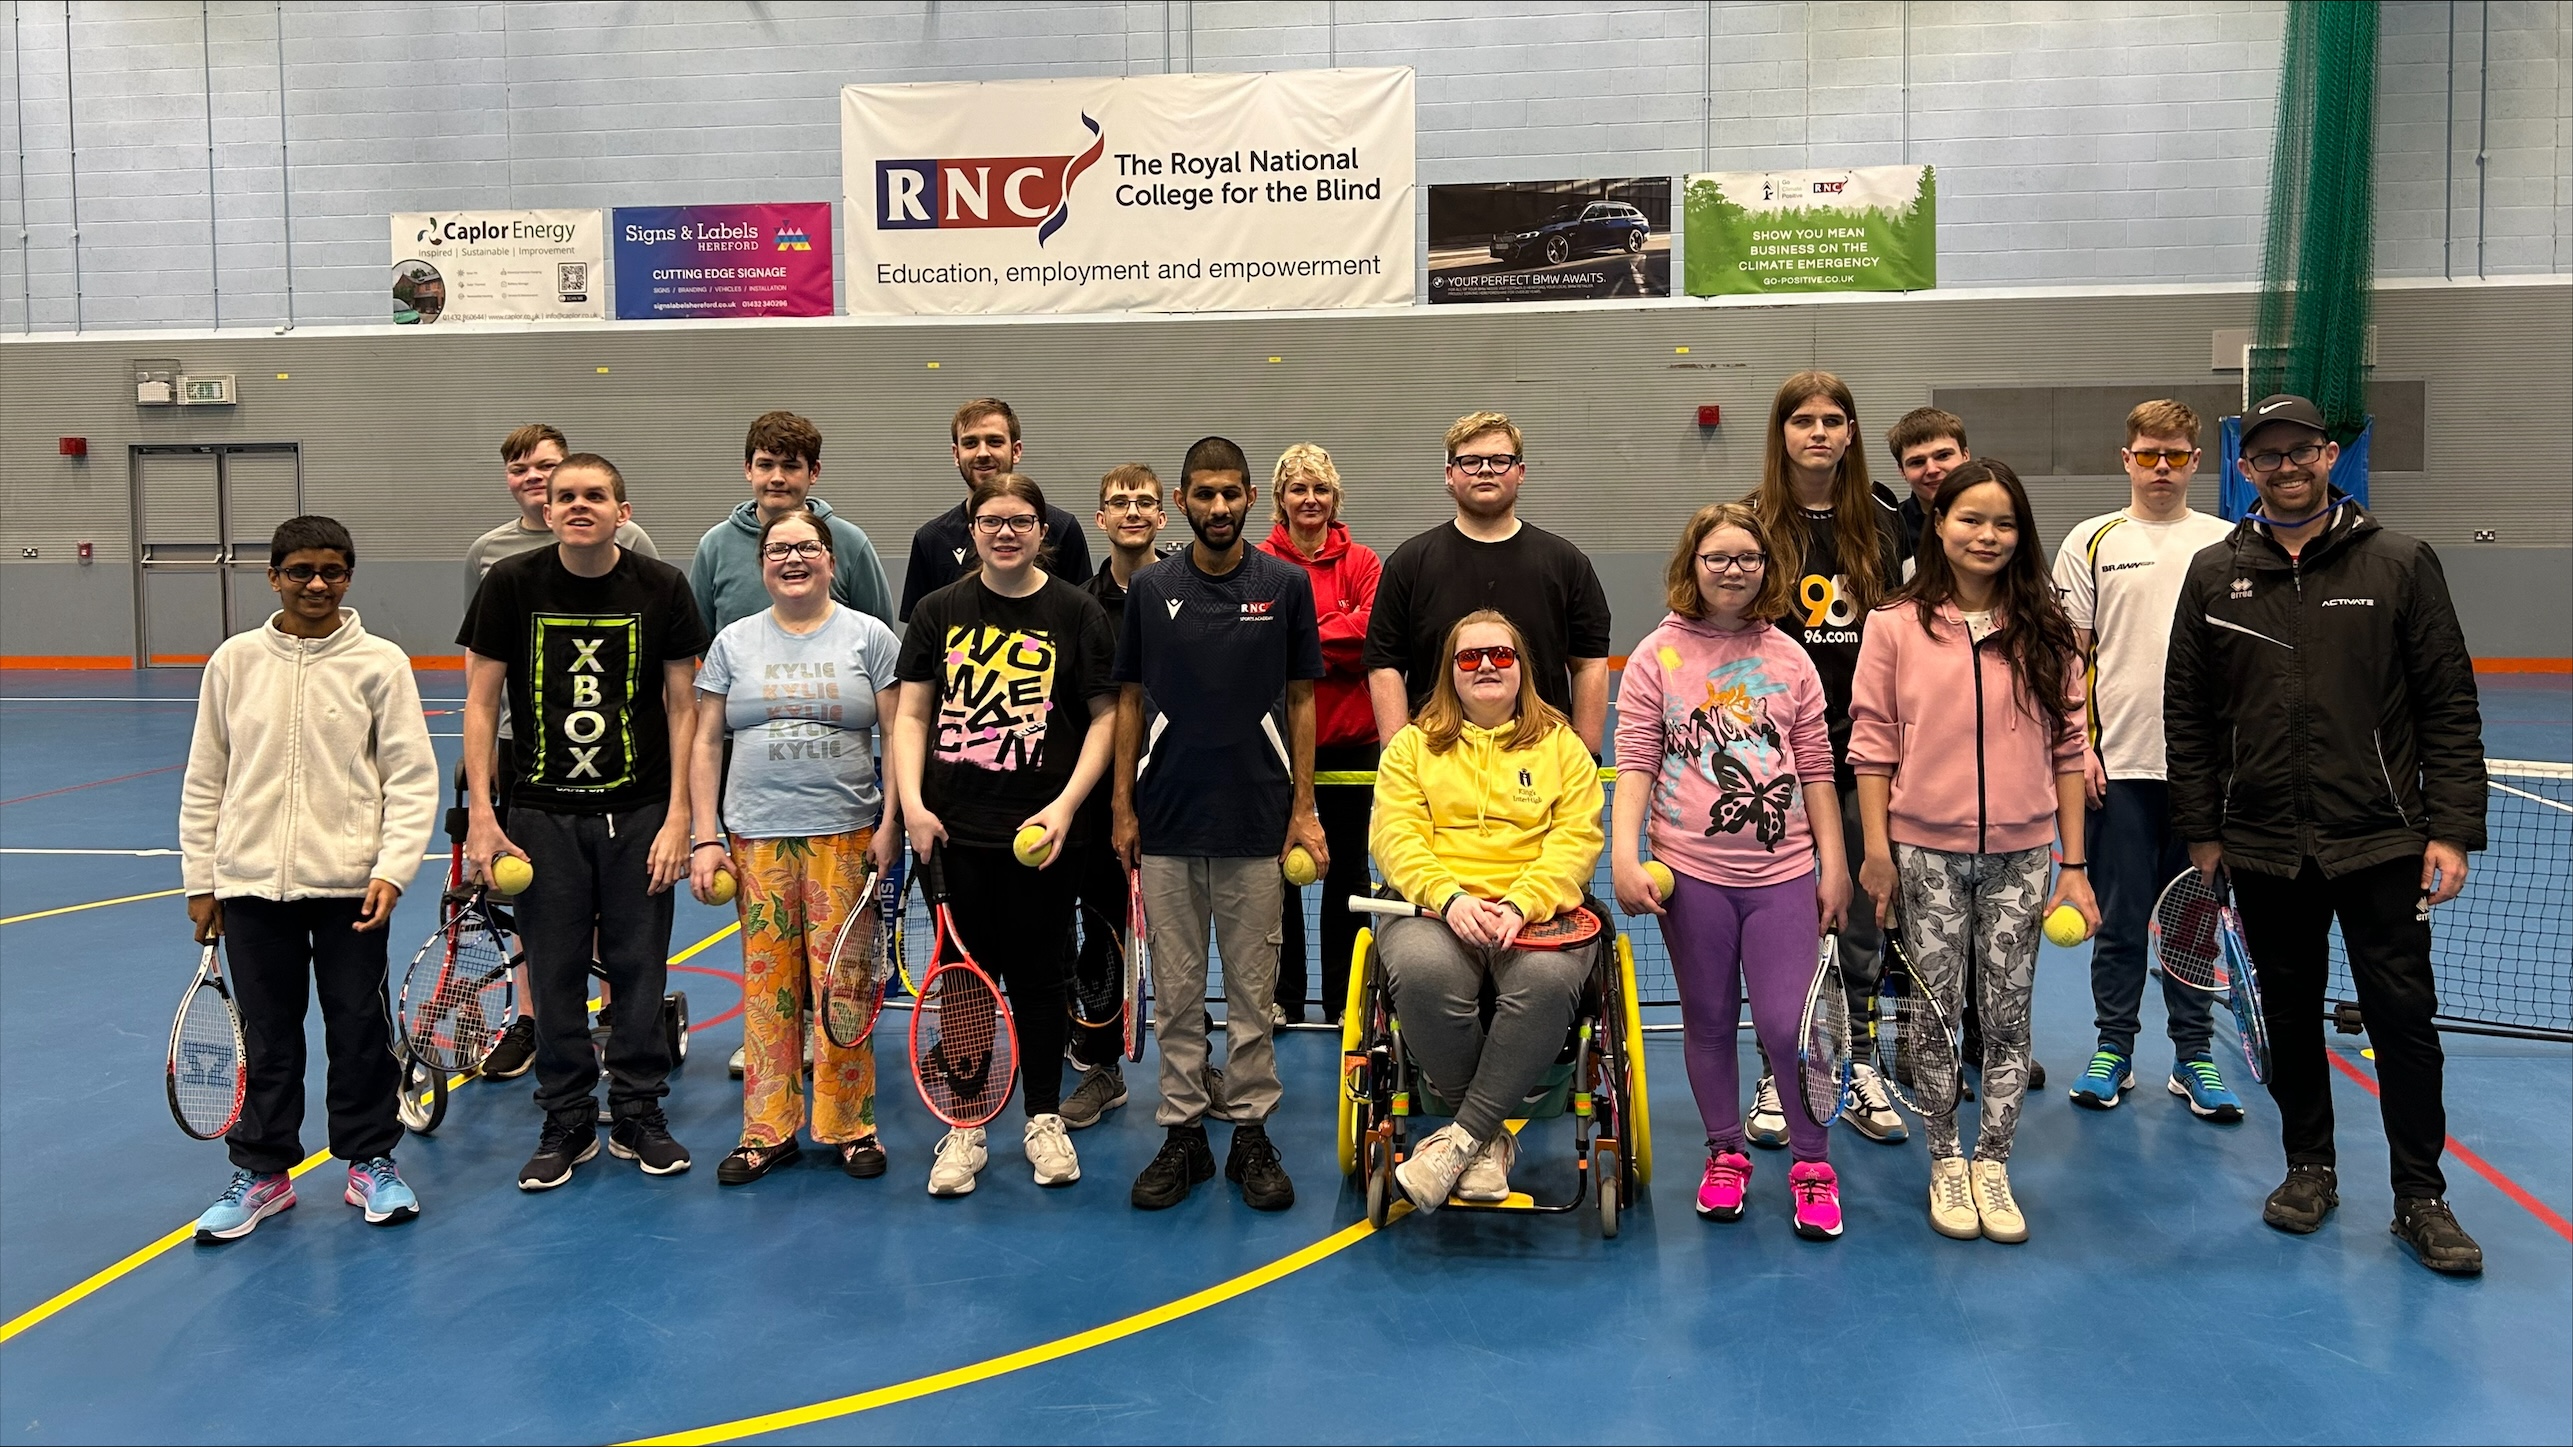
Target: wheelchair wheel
1380	1179
1353	1029
1638	1124
674	1026
1609	1169
422	1101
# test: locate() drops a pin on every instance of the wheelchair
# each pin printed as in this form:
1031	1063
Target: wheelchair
1598	1080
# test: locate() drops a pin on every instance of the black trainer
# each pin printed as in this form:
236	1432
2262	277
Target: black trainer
567	1141
645	1140
513	1052
1184	1161
863	1159
2425	1224
2300	1203
1253	1164
751	1160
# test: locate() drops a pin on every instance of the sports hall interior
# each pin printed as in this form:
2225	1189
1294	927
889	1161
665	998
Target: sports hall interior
2106	169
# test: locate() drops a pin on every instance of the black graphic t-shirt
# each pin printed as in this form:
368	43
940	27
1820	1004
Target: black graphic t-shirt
1825	615
1215	656
1015	677
585	657
942	551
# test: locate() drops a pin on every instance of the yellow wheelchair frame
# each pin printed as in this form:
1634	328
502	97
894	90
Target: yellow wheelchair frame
1609	1097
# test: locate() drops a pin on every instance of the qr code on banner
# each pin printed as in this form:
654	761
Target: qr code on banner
572	280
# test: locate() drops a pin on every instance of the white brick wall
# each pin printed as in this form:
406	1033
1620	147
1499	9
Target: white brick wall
2126	140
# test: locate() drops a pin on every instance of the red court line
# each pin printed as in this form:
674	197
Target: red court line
713	1020
92	784
2476	1163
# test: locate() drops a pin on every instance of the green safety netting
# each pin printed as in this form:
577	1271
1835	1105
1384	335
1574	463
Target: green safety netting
2318	263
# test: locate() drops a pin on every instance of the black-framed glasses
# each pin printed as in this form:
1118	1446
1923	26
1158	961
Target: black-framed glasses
2174	458
2300	455
1145	503
993	527
808	550
1484	464
303	574
1733	562
1499	655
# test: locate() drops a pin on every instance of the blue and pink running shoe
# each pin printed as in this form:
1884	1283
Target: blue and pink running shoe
249	1200
1816	1187
1728	1175
378	1188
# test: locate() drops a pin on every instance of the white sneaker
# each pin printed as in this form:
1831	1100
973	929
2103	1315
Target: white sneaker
1952	1212
1871	1111
961	1157
1767	1122
1995	1206
1487	1176
1431	1171
1049	1149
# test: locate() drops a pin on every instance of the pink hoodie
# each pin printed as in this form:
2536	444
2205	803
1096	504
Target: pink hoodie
1972	762
1730	726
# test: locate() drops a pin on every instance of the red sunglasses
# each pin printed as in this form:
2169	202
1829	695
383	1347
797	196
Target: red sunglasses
1499	655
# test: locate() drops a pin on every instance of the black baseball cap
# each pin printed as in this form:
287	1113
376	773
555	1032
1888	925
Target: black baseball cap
2283	408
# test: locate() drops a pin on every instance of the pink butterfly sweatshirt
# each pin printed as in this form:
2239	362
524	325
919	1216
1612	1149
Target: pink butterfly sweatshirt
1730	727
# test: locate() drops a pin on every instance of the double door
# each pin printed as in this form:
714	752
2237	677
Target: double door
203	514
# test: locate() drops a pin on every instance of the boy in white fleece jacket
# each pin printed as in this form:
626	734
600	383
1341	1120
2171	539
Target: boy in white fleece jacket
310	793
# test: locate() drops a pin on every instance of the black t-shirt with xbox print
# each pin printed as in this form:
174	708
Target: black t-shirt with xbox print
585	660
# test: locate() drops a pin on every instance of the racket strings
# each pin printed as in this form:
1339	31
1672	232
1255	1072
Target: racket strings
853	975
205	1059
1824	1060
467	1005
1097	994
965	1063
2185	926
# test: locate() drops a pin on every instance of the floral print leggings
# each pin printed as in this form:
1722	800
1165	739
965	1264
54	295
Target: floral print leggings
1988	901
794	894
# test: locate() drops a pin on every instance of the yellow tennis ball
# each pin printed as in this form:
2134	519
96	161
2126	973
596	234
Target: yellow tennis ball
2066	926
1663	880
1299	867
511	874
721	891
1030	846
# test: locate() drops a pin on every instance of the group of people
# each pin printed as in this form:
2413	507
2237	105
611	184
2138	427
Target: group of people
1863	712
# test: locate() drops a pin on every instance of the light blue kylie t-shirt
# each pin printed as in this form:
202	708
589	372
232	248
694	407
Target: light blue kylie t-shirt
801	713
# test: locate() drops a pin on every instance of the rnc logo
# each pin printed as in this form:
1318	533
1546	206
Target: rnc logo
983	191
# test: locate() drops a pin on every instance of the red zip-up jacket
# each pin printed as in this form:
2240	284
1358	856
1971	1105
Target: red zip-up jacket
1344	597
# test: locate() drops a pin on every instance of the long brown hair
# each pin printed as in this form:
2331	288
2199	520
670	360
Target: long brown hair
1443	717
2035	637
1679	580
1782	520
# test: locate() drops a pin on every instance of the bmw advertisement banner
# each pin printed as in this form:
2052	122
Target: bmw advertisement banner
473	266
723	261
1550	240
1867	228
1289	190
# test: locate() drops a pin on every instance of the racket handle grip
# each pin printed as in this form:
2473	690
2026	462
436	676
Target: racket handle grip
933	876
1369	904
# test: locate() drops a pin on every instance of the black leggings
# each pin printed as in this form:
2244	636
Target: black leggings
1013	919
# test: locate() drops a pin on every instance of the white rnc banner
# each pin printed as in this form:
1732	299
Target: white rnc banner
471	266
1287	190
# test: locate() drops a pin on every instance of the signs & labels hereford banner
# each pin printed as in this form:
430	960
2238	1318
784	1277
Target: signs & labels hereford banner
1873	228
473	266
1288	190
723	261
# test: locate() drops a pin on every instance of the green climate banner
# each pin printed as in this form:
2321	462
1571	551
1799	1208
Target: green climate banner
1872	228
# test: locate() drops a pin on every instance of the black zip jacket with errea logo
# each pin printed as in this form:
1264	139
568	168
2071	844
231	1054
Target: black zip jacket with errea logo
2322	705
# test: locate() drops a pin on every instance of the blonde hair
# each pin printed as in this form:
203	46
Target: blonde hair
1679	580
2162	417
1442	719
1305	459
1475	424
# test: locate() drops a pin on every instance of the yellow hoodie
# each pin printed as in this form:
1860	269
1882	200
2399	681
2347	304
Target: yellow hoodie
1521	827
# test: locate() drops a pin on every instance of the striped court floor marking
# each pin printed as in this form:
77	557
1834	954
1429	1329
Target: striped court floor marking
56	1303
1056	1350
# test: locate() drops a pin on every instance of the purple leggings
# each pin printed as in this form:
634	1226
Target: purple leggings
1722	938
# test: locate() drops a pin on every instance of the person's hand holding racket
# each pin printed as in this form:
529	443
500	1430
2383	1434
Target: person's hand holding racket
925	832
1831	899
205	917
1571	929
886	846
1481	922
2207	859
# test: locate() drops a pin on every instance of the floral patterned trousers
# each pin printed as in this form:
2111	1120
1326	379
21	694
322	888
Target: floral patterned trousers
794	893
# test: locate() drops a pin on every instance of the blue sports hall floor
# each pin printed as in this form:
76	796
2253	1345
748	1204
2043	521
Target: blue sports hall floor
2151	1303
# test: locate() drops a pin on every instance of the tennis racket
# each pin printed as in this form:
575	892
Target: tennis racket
2251	1025
1571	929
892	897
1916	1040
209	1068
461	990
1823	1057
854	974
964	1049
1138	967
1097	998
2187	920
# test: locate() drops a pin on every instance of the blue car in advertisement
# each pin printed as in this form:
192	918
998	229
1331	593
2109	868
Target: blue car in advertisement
1576	231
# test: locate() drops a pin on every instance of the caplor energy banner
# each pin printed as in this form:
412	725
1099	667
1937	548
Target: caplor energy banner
1286	190
1873	228
471	266
723	261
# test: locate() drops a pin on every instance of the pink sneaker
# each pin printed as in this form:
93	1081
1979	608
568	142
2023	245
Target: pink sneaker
1719	1196
1817	1190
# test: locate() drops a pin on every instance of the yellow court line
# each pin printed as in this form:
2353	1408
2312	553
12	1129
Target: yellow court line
1056	1350
57	1302
93	904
